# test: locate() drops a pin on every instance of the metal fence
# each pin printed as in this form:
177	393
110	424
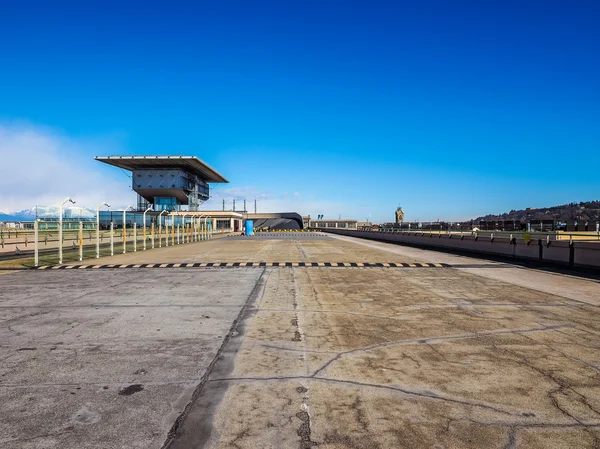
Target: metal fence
545	235
60	241
498	225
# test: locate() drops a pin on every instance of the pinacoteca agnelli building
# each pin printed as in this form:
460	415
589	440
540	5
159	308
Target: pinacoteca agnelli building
167	182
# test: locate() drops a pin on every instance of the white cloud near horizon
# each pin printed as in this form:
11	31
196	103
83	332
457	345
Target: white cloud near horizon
272	202
40	166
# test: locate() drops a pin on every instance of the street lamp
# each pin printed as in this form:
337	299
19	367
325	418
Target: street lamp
60	228
203	232
189	236
182	228
150	208
98	228
190	230
125	228
197	227
160	229
186	235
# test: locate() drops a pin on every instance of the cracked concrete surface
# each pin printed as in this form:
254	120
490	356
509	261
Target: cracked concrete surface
442	359
485	355
108	360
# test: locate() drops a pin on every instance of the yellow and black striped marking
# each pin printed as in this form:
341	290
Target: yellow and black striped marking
284	230
251	265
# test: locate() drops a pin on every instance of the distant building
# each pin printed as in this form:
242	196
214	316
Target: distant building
364	225
399	215
167	182
13	225
341	224
306	221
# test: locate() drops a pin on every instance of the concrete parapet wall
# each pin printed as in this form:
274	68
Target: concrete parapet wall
531	251
586	254
557	251
576	254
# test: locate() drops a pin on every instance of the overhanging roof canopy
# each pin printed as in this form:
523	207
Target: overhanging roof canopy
191	164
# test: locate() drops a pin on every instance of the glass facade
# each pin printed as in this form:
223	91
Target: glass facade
116	217
223	224
168	189
142	204
165	203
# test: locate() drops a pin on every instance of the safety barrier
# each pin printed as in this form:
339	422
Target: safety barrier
584	254
69	240
282	230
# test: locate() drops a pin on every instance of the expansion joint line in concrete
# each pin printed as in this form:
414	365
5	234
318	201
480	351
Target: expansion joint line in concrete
251	265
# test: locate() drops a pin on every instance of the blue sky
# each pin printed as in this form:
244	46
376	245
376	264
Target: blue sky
450	109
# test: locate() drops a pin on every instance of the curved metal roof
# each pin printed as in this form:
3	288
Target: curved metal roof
191	164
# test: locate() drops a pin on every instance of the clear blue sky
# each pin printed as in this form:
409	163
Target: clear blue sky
452	109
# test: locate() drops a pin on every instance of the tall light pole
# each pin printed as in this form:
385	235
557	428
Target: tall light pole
182	227
187	230
60	228
198	220
98	228
172	229
185	233
160	229
125	228
201	237
149	209
190	234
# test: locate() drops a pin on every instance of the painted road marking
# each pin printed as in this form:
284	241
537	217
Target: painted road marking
252	265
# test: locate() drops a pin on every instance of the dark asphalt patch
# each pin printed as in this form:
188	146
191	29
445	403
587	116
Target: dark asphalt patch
131	389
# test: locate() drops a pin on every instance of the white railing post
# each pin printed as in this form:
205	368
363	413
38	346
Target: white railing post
98	228
134	235
144	221
36	257
97	236
60	237
112	239
80	241
60	230
124	231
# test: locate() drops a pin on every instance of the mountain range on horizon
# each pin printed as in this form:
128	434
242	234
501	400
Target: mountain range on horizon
47	212
582	211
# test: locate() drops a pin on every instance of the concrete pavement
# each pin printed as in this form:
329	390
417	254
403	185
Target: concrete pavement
484	354
110	359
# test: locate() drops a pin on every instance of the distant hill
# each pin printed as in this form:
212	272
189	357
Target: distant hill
22	215
47	212
584	211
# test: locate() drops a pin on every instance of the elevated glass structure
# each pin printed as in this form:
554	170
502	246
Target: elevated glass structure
167	182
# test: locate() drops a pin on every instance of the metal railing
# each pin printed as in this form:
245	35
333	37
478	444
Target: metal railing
553	235
79	239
